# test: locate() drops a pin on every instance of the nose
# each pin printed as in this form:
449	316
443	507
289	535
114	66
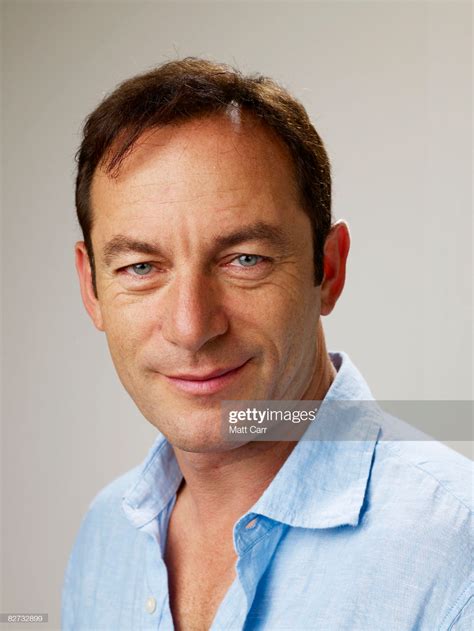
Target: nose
194	313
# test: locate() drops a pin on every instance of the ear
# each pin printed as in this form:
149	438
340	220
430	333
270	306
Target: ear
336	249
84	272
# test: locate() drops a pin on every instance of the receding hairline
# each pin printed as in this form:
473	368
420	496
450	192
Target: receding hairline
239	118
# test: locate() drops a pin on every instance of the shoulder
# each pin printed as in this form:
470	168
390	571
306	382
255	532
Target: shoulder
103	532
429	470
419	509
104	522
113	492
420	493
105	510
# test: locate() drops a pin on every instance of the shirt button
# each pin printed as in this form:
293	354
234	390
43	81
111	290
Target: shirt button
251	523
150	604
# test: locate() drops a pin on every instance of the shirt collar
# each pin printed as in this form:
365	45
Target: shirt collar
322	483
158	480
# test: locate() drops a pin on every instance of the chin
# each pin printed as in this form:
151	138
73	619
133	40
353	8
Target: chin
198	447
198	431
190	440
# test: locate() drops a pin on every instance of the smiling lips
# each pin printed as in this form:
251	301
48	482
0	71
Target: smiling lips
209	383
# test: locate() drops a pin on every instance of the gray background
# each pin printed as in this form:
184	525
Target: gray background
388	86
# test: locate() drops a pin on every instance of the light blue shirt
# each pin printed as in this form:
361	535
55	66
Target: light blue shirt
363	535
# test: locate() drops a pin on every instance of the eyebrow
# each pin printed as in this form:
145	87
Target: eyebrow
259	231
121	244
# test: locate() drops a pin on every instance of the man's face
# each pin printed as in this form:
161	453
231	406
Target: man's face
205	278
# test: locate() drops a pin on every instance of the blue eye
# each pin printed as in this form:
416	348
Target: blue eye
249	260
141	269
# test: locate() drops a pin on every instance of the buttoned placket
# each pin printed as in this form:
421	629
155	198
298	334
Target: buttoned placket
153	603
255	540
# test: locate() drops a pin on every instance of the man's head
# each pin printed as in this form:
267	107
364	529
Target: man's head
199	257
183	90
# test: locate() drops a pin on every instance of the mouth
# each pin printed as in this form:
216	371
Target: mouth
206	383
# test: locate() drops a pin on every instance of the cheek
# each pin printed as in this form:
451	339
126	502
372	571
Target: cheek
283	318
126	325
300	337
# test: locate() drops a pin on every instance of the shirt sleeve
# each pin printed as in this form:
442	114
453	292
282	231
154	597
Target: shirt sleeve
464	621
67	599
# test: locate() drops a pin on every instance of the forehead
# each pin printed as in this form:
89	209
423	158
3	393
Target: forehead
233	150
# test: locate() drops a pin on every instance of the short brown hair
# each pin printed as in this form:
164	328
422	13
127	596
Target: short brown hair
189	88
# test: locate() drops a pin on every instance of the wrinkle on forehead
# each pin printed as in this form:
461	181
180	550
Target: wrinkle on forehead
235	131
223	129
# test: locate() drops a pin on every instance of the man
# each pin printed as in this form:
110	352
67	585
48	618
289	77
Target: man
209	257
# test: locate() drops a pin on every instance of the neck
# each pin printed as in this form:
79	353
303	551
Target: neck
226	484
